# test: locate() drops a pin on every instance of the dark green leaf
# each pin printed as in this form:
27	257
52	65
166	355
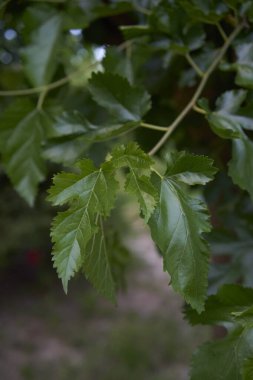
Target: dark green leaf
74	124
115	93
243	65
227	124
224	358
40	57
229	305
22	153
177	225
97	266
118	63
190	169
241	164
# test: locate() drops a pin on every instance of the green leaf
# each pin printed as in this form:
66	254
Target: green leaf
243	65
71	231
226	124
118	63
190	169
40	57
119	257
135	31
172	20
92	186
223	359
241	164
97	266
66	151
22	153
126	102
248	369
204	11
73	123
142	188
229	305
130	155
11	116
137	184
177	225
90	193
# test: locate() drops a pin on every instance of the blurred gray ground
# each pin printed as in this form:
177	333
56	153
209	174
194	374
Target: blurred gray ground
47	335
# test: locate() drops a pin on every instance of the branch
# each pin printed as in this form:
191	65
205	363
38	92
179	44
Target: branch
222	33
45	88
194	65
199	89
155	127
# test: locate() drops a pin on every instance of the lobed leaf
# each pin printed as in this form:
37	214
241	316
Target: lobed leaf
91	194
177	225
71	231
142	188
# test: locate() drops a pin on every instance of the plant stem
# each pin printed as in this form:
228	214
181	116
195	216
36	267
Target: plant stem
48	87
199	110
198	91
194	65
155	127
222	33
41	100
156	172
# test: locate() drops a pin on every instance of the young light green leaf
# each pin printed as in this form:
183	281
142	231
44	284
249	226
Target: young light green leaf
126	102
97	266
142	188
22	154
90	193
177	225
92	186
137	183
223	359
71	231
130	155
40	57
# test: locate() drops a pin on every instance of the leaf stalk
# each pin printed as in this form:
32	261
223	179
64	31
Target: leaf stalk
199	89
